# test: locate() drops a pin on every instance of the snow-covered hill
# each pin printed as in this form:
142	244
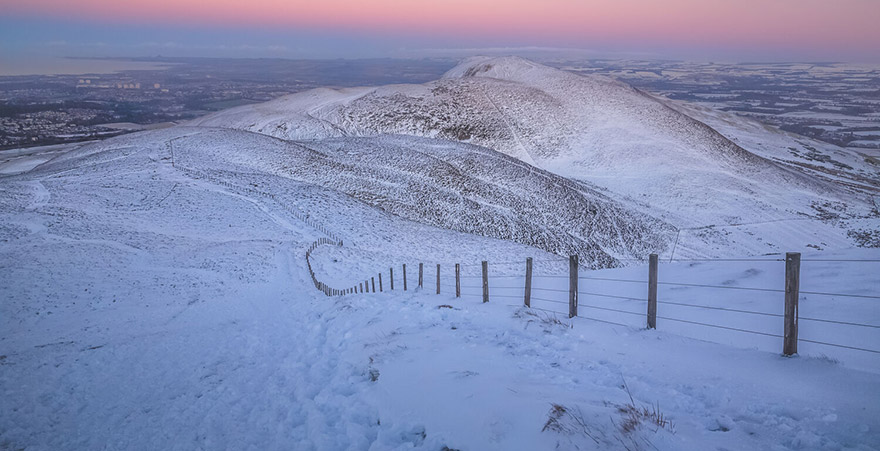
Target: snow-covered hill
646	152
450	185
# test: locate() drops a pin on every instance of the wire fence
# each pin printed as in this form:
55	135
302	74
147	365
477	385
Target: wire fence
614	300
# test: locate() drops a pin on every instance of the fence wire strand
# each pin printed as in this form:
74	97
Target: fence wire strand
719	327
552	290
602	321
610	309
862	296
722	308
847	323
680	284
548	300
586	293
855	348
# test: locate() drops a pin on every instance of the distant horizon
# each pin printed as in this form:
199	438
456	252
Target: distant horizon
109	64
678	30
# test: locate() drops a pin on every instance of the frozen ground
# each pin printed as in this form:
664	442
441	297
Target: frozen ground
147	307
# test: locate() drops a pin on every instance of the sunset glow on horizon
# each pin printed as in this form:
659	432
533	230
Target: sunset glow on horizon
802	26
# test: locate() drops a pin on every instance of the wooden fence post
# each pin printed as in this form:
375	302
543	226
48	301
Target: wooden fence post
653	263
528	294
380	282
362	287
485	281
420	274
391	277
373	279
792	292
457	280
404	277
572	286
438	278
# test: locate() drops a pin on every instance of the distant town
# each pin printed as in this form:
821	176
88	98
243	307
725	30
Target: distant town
835	103
53	109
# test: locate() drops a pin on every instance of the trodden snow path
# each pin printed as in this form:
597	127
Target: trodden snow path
254	371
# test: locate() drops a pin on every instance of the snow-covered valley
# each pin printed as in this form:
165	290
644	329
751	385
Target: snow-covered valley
155	292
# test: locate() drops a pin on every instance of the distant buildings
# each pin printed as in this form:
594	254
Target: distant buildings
125	84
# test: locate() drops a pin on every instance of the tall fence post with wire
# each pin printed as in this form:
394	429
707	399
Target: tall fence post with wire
527	297
792	292
485	281
653	263
457	280
572	286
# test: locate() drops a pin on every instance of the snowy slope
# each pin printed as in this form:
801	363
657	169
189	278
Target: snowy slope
644	151
440	183
151	305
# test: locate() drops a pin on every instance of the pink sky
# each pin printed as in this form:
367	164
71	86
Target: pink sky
795	24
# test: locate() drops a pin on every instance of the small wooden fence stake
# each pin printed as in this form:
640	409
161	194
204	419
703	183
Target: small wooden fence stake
792	292
367	285
404	277
420	274
457	280
380	282
572	286
438	278
653	263
528	294
485	281
362	287
373	279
